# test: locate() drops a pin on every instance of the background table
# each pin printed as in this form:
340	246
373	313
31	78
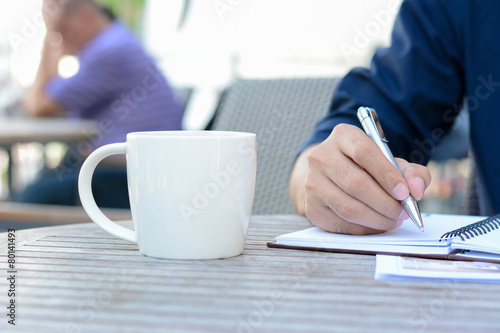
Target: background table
24	129
78	278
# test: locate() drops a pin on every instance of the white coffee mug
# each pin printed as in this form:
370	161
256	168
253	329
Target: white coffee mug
191	192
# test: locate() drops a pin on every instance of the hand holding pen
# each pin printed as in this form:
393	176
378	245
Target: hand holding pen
371	124
351	187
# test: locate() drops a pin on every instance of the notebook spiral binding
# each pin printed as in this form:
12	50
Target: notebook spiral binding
474	229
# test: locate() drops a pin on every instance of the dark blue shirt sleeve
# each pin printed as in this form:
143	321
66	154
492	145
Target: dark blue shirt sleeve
416	85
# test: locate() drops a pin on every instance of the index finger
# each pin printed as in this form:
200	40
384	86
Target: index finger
365	152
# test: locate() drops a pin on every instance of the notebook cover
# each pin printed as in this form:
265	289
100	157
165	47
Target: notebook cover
451	256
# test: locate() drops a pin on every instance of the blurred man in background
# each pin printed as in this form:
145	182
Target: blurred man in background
118	85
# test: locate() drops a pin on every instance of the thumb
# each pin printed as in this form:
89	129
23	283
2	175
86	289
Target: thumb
418	177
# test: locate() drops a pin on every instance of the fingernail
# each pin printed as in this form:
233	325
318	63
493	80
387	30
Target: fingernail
403	216
400	192
420	188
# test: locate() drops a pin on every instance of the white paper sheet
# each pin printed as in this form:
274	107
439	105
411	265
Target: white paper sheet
407	268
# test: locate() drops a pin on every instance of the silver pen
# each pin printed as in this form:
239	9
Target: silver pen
371	125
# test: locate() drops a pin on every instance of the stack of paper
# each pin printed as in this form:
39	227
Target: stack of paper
403	268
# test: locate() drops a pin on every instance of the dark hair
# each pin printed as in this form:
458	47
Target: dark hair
72	5
108	12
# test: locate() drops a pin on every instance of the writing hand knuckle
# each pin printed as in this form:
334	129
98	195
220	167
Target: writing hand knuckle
391	176
310	211
309	185
329	201
341	173
353	182
311	182
391	209
340	130
313	157
348	211
361	150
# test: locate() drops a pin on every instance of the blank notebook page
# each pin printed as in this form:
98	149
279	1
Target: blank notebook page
408	234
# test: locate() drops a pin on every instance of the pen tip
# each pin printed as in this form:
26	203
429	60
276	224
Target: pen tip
411	208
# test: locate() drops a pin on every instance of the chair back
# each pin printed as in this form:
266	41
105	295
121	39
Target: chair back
282	112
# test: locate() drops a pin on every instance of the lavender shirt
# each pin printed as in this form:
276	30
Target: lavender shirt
119	86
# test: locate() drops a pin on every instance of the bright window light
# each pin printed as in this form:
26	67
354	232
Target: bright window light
68	66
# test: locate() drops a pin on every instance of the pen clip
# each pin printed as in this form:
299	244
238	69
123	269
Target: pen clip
373	114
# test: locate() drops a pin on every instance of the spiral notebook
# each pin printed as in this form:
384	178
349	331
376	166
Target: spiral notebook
446	236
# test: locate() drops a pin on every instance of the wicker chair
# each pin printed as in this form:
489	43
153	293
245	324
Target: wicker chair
282	112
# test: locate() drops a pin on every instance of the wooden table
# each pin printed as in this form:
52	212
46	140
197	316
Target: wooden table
78	278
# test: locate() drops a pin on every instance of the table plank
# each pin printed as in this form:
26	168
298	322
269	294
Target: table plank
78	278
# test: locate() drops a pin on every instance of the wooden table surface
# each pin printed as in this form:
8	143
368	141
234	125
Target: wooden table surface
78	278
23	129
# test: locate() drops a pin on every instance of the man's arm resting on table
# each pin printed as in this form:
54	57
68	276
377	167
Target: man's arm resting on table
41	105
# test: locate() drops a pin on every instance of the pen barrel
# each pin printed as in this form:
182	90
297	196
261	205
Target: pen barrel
369	120
371	131
387	153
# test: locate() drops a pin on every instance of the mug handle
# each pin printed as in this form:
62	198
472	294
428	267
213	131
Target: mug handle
87	198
